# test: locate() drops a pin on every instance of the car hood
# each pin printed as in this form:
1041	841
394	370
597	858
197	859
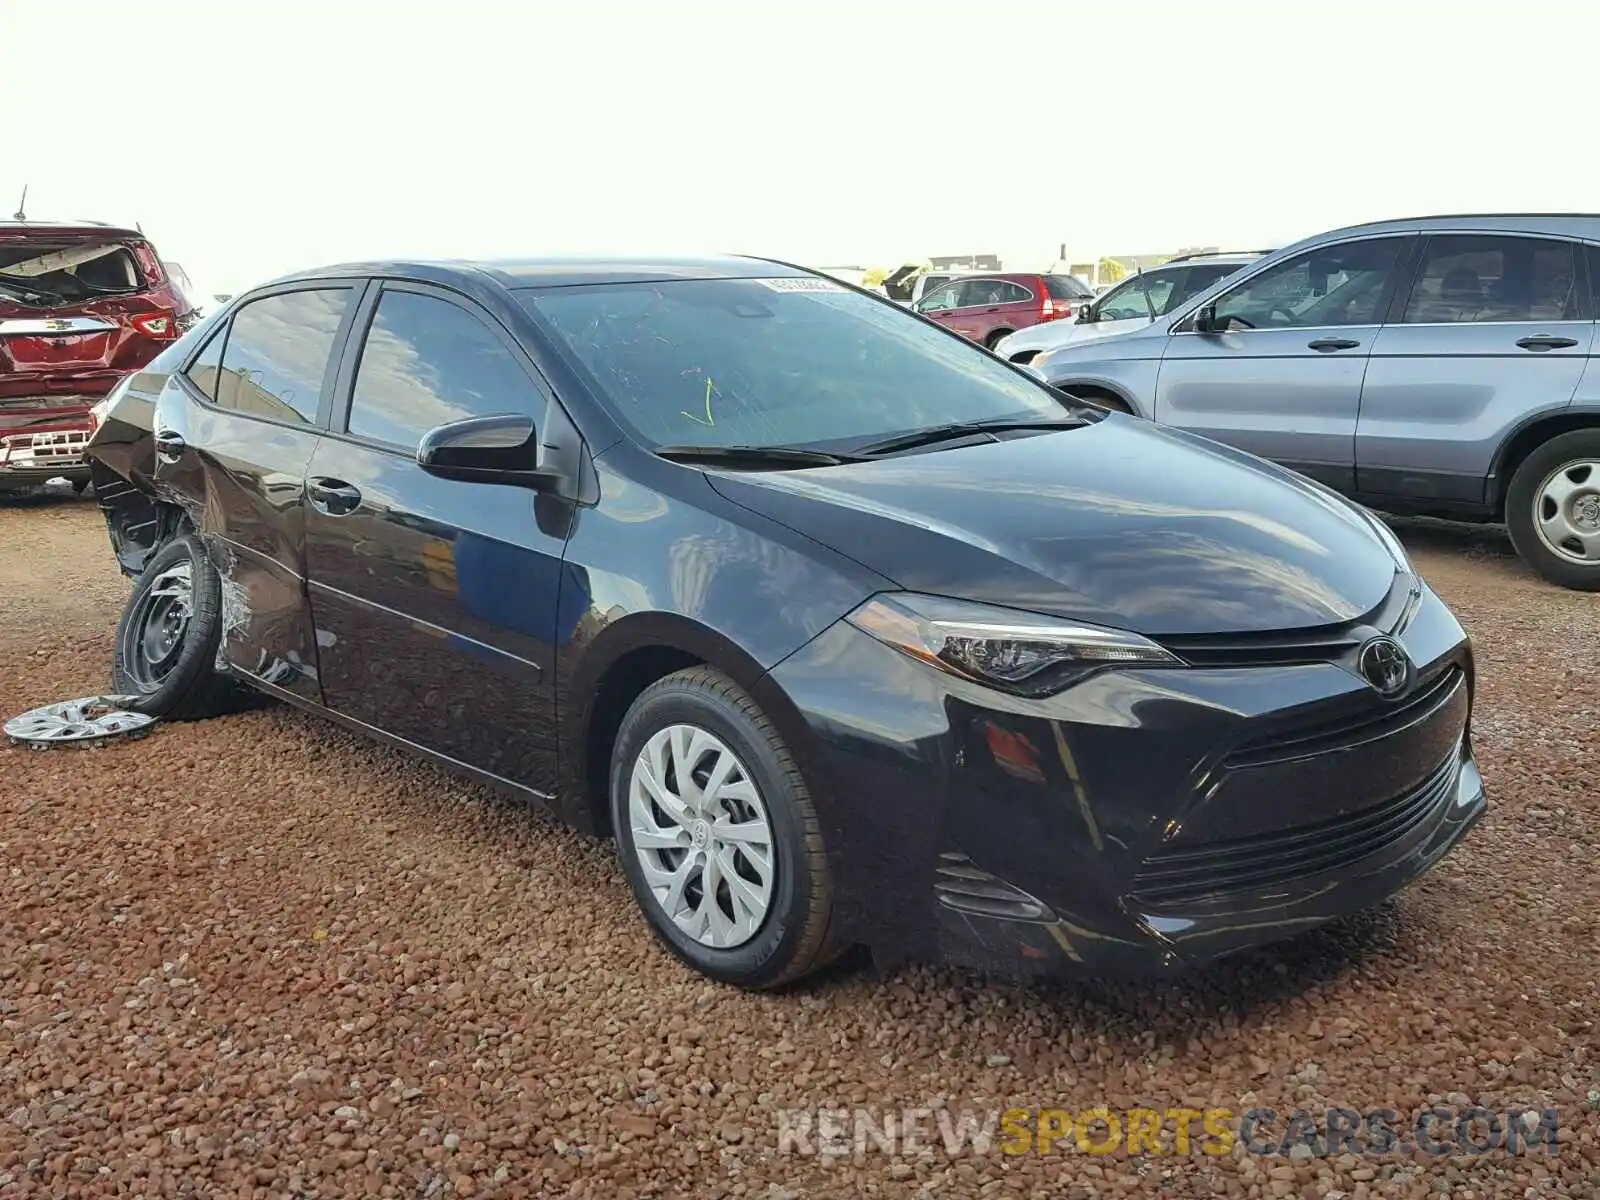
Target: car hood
1120	522
1049	335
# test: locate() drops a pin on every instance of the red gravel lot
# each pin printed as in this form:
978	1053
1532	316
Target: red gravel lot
258	956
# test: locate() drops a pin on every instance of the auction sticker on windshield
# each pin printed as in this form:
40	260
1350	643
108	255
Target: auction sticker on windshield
803	284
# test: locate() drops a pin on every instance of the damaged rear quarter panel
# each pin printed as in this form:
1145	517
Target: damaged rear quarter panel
241	483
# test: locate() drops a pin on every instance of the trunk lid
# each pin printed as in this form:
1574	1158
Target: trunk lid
70	298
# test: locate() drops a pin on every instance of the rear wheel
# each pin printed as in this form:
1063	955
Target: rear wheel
717	833
169	634
1553	510
994	337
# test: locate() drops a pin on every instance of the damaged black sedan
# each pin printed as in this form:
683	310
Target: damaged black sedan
848	631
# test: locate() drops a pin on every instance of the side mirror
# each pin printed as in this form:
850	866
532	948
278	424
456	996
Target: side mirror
498	449
1205	319
1086	315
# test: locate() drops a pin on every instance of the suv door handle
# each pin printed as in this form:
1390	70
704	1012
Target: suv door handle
1326	345
1545	341
170	445
333	496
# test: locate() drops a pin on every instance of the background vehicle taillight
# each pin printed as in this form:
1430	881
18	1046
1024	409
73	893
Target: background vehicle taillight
162	326
1054	310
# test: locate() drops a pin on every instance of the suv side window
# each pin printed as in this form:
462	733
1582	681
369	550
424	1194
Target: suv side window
277	351
940	298
1126	301
203	371
1012	293
1196	280
1330	285
427	362
1476	278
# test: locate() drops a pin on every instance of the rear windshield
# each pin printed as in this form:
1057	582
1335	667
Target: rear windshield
793	362
69	272
1065	287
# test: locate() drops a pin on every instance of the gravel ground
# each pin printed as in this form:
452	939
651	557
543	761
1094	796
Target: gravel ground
256	956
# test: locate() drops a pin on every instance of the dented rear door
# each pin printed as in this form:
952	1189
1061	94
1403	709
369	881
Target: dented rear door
233	435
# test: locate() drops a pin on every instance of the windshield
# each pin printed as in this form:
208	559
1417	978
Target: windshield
775	362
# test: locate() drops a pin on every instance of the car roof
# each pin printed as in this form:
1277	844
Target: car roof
565	271
1581	225
15	230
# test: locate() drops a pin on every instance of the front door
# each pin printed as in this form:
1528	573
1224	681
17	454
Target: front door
434	599
1281	375
234	432
1495	329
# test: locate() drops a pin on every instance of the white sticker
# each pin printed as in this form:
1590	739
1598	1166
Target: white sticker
803	283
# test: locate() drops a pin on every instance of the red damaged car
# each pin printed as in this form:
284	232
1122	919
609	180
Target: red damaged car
81	305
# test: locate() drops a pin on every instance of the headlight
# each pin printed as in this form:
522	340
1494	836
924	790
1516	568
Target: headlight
1017	651
1398	552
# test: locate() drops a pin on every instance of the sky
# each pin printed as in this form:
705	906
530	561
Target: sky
249	138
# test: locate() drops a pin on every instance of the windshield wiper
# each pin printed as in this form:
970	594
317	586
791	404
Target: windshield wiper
960	429
781	456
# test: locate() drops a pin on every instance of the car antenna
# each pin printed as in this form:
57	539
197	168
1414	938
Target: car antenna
1144	291
22	205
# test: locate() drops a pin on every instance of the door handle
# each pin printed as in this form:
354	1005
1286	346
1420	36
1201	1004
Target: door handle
1545	341
170	445
1329	344
333	496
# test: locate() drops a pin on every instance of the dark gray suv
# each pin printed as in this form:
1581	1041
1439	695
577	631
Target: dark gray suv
1437	365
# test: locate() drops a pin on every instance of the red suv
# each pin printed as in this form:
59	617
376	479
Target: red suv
986	308
81	306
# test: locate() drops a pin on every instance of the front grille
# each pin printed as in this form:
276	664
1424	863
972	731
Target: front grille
1338	733
1174	878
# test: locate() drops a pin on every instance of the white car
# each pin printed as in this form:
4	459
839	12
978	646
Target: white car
1131	304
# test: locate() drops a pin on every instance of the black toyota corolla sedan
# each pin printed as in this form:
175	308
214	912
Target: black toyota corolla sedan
848	631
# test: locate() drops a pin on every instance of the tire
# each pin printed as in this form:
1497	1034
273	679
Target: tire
1568	463
994	337
183	684
706	713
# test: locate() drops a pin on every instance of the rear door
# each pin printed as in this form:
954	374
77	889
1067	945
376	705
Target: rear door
1282	376
434	599
1493	329
234	432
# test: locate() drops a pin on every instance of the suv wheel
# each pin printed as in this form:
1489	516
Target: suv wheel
994	337
167	639
717	833
1553	510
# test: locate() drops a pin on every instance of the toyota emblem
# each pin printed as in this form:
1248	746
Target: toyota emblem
1384	665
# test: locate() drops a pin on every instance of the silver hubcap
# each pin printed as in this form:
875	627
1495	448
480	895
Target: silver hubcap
702	837
1567	512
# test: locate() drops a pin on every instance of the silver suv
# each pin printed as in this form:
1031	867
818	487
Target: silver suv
1437	365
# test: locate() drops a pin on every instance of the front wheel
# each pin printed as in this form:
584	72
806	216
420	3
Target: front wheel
717	833
169	634
1553	510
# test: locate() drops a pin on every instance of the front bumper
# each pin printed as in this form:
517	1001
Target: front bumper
1141	821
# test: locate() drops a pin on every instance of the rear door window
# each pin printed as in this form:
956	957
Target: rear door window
276	356
206	367
1469	279
428	362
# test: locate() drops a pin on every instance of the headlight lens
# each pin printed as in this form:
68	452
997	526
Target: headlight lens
1018	651
1391	543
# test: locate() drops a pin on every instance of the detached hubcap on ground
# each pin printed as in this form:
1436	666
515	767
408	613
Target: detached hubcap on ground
702	836
1567	513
